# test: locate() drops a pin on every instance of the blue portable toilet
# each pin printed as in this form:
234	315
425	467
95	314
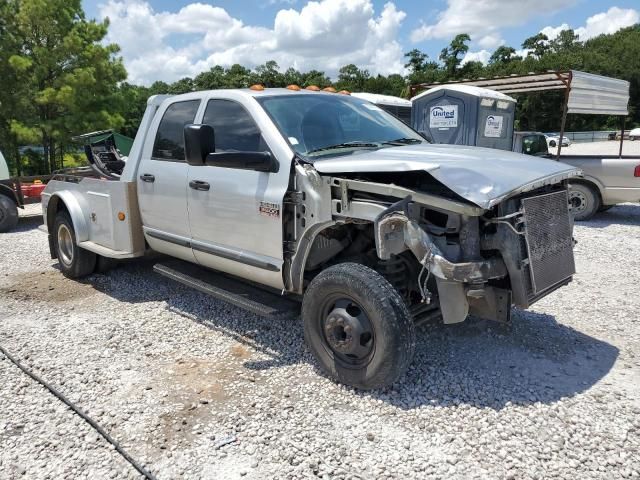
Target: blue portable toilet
465	115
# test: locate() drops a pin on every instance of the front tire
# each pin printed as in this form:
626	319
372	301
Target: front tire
75	262
8	214
357	326
584	201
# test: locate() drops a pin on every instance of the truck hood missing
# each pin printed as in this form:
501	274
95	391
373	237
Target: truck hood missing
483	176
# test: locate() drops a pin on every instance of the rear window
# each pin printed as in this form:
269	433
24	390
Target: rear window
534	145
169	143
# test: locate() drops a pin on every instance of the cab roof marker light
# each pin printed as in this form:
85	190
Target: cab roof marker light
257	87
313	88
295	88
344	92
329	89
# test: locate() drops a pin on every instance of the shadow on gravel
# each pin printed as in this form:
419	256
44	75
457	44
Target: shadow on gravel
625	214
482	364
27	223
476	363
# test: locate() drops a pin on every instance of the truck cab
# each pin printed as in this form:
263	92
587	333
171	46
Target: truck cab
329	203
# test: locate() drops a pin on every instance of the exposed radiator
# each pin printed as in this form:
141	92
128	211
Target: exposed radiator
548	234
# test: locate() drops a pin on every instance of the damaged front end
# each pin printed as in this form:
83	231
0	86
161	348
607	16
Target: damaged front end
515	253
445	254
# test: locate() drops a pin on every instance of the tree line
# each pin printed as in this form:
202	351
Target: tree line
60	79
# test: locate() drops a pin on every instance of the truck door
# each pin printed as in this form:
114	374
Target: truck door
162	183
235	215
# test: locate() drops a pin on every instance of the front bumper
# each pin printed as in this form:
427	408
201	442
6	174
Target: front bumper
534	259
461	285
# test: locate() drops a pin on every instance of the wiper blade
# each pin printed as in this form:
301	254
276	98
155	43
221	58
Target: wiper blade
346	145
402	141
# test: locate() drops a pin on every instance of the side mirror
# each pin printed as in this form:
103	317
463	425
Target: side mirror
258	161
199	141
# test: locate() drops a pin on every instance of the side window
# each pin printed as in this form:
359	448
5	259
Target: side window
169	143
234	128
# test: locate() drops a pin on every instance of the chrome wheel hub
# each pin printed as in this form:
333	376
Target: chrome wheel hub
65	245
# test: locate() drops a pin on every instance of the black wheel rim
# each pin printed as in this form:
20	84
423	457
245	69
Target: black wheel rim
346	330
577	202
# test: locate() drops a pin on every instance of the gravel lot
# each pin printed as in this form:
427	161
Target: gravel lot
174	375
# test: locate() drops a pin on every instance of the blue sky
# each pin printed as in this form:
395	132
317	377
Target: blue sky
186	37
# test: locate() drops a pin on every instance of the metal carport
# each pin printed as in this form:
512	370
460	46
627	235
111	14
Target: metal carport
585	93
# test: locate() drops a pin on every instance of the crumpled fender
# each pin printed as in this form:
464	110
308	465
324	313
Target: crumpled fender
395	233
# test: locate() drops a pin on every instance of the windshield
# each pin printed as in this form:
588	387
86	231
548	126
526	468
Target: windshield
318	125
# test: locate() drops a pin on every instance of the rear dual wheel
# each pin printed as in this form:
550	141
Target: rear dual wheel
358	326
75	262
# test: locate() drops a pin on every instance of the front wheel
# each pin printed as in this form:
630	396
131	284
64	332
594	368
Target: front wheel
8	214
584	201
357	326
75	262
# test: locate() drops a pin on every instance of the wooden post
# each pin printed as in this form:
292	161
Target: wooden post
565	109
624	122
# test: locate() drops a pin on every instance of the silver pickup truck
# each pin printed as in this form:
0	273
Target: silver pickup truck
607	179
276	199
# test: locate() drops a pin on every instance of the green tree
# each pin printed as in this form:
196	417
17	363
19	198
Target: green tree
268	75
565	41
537	44
12	90
315	77
184	85
452	55
237	76
69	77
417	61
352	78
211	79
503	54
292	77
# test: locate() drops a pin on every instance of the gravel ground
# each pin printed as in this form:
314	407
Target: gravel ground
195	388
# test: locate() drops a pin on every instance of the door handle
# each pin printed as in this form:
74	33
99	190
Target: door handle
145	177
199	185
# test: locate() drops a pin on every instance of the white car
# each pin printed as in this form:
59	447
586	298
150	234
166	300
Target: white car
553	139
634	134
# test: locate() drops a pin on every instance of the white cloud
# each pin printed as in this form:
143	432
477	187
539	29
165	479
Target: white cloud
484	18
491	41
480	56
323	34
608	22
602	23
553	32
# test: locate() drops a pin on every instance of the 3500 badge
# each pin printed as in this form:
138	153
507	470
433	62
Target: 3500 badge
269	209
